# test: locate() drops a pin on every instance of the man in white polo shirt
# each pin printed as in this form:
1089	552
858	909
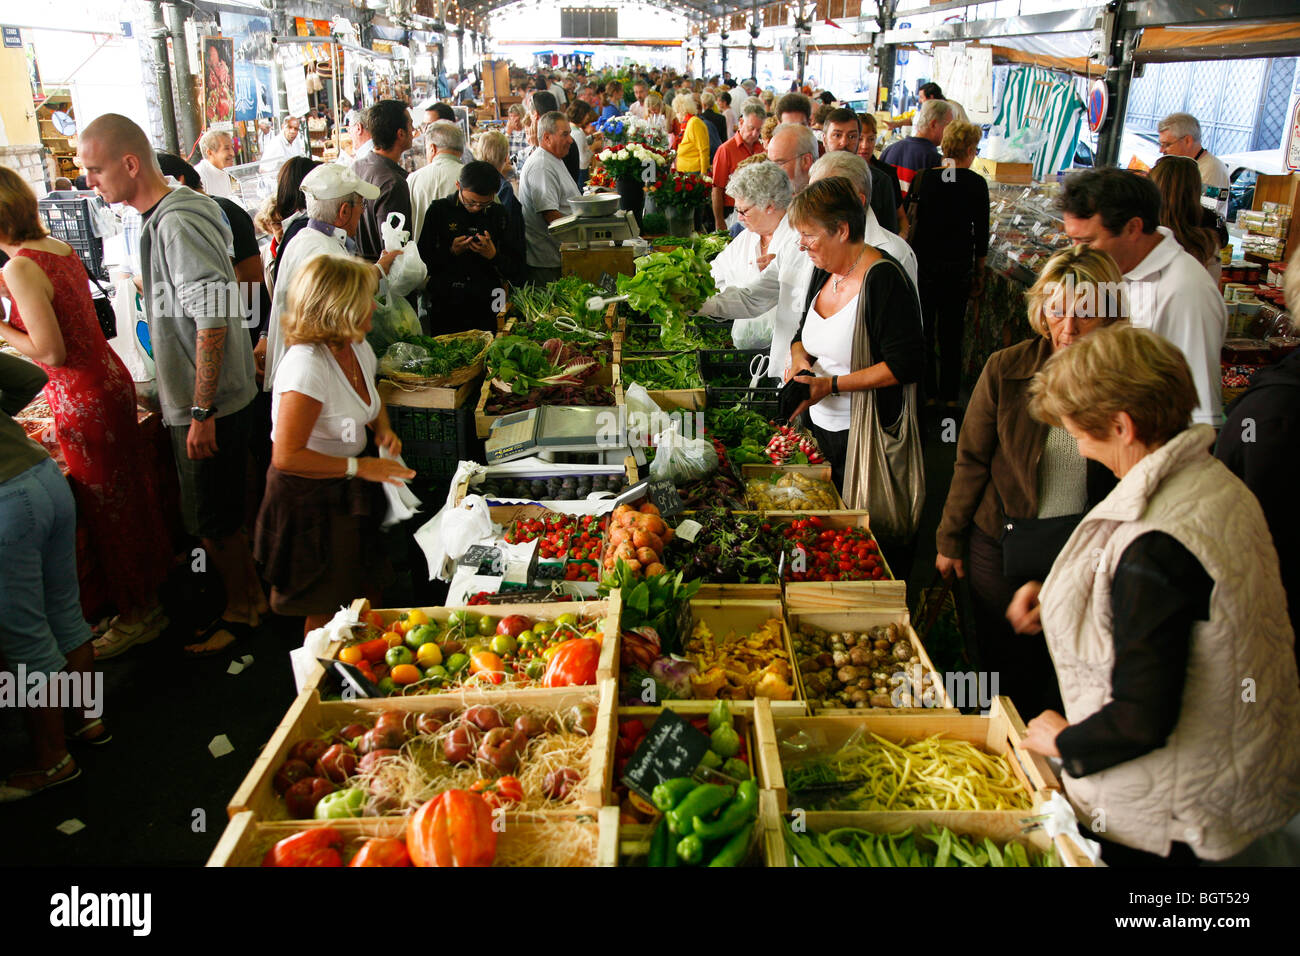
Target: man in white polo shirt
1180	135
1167	291
545	188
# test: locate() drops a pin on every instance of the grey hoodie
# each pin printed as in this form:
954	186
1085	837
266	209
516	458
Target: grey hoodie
189	284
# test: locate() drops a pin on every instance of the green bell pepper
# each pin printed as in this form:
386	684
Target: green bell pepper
735	850
690	850
668	794
341	803
700	802
741	810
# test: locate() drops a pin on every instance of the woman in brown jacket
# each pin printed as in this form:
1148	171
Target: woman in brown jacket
1014	470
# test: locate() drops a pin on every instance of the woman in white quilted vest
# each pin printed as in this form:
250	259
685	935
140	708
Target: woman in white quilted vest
1166	621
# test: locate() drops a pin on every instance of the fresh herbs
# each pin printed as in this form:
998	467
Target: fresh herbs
706	247
937	847
728	549
443	358
520	365
655	601
671	372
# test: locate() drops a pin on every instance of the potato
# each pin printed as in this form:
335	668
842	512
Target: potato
654	569
647	556
618	535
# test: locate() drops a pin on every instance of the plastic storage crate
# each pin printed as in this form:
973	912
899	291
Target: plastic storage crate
734	364
68	217
434	440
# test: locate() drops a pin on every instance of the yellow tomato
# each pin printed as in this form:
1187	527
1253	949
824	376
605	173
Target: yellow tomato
393	638
417	617
567	618
429	654
351	655
485	661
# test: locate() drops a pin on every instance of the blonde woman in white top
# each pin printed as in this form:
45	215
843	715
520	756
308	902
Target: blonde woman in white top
318	521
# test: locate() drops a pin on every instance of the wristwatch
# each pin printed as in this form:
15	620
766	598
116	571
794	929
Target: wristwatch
835	384
201	414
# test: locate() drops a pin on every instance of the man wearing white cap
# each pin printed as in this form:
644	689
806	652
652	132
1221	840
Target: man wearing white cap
335	196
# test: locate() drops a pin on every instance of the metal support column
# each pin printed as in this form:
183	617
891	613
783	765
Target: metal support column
460	49
802	30
753	44
722	48
163	76
184	81
1120	43
886	53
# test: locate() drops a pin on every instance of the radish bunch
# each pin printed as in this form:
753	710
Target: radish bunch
789	447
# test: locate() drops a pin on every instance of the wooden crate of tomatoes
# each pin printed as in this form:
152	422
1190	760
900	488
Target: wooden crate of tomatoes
455	831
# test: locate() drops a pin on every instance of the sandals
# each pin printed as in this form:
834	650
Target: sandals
84	734
50	778
120	637
237	629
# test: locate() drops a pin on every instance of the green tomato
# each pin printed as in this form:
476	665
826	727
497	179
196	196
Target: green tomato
386	686
457	663
398	655
486	626
417	636
543	628
436	673
535	669
503	644
341	803
457	618
526	639
566	619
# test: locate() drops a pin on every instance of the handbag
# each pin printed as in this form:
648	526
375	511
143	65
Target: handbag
1030	545
104	311
884	470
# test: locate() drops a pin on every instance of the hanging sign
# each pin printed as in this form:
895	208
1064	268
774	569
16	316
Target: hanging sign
13	37
295	88
1098	104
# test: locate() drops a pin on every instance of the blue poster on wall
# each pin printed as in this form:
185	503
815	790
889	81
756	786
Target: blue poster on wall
252	42
252	92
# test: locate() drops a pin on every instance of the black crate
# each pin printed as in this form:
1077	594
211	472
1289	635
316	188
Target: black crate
434	441
70	220
764	400
727	362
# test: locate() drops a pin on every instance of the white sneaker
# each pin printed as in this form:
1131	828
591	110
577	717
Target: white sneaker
121	637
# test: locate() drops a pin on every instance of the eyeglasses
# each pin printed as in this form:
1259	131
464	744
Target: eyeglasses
473	206
786	162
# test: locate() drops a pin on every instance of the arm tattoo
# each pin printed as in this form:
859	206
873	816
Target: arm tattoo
210	350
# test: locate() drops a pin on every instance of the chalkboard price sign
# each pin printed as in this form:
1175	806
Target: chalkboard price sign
661	492
672	748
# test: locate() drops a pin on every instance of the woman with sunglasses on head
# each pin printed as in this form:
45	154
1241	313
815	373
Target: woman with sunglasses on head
467	249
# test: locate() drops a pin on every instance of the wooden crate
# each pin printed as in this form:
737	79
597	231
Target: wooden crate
723	616
860	619
608	375
815	472
1002	733
309	716
246	839
390	393
612	609
738	592
678	399
1015	173
834	520
837	595
1002	828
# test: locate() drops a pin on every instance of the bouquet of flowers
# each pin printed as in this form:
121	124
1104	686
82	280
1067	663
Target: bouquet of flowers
631	159
620	130
683	190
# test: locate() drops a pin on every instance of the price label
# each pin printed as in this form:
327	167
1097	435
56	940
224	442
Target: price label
485	558
354	684
672	748
665	497
687	530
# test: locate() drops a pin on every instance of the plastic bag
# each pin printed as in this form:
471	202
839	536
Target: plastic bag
408	272
103	221
680	460
446	536
751	333
644	417
404	357
394	319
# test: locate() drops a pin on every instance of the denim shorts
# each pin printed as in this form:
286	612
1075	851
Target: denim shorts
40	601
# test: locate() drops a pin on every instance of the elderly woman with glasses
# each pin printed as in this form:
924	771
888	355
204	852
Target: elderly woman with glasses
762	193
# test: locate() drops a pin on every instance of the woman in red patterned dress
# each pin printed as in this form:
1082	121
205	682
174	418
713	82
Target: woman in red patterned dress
52	321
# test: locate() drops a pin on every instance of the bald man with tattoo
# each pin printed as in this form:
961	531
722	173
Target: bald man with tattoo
204	359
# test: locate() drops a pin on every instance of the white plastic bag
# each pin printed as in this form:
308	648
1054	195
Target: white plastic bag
446	536
751	333
126	342
680	460
104	222
402	502
304	660
407	273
